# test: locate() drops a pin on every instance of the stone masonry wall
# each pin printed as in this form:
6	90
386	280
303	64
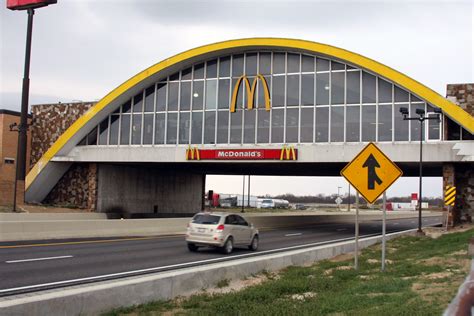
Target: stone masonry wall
78	186
463	94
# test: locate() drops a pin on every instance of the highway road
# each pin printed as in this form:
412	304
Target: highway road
34	265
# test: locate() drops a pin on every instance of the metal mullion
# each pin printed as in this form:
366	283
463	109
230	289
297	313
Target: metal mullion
204	105
229	123
178	119
143	117
119	134
109	117
393	113
410	114
243	103
314	101
345	105
191	108
257	93
377	108
285	102
298	125
360	106
131	122
270	127
216	120
330	102
166	111
154	115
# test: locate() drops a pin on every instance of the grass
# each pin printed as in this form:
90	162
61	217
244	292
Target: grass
223	283
421	278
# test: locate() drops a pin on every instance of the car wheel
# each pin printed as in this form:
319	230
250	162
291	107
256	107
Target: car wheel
254	244
192	247
228	246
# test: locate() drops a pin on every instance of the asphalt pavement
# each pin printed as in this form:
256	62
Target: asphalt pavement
34	263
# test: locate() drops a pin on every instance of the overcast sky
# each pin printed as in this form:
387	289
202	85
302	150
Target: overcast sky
83	49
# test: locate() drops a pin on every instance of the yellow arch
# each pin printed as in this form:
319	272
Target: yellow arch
454	111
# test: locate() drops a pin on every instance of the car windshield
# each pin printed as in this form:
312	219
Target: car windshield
206	219
267	201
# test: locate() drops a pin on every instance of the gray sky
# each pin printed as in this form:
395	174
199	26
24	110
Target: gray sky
83	49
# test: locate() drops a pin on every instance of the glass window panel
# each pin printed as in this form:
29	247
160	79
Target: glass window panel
184	123
236	127
224	66
125	130
352	123
136	129
238	65
353	87
117	111
251	64
211	91
263	128
223	98
278	91
306	125
211	69
265	63
172	128
185	98
173	89
160	123
278	63
174	77
322	89
337	66
368	88
400	95
385	91
222	127
92	137
83	142
307	63
322	124
103	131
292	125
210	127
293	90
198	95
161	97
368	123
147	129
434	128
349	67
401	126
196	128
293	63
261	93
249	126
187	73
137	103
337	124
465	135
414	98
150	99
126	108
307	89
322	64
240	94
337	88
278	121
114	129
385	123
415	125
199	71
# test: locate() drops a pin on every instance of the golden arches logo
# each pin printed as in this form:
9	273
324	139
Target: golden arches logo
192	153
288	153
250	92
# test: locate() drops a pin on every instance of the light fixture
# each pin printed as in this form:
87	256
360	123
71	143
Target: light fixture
196	94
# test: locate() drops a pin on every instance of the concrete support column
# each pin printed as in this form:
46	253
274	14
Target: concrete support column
448	179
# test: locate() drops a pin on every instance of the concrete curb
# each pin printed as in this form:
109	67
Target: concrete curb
100	297
57	229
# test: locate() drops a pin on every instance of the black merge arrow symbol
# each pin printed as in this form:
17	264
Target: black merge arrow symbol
371	163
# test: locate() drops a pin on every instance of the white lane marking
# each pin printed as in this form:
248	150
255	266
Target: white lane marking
38	259
295	234
341	229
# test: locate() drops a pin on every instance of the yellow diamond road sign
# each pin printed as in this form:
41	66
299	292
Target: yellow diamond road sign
371	172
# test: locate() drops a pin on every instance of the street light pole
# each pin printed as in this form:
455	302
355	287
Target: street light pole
421	118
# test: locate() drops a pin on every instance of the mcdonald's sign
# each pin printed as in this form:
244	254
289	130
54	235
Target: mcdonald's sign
250	92
285	153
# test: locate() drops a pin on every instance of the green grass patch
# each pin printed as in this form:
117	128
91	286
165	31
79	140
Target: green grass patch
421	279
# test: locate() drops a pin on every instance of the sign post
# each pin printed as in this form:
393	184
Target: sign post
371	173
356	248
